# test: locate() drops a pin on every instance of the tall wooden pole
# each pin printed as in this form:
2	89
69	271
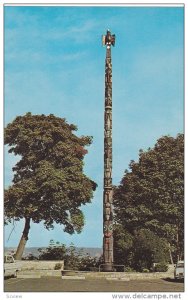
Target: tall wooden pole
108	40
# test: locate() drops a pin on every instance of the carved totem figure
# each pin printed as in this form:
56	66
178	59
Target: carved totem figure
108	40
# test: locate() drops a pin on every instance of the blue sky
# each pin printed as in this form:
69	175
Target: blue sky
54	63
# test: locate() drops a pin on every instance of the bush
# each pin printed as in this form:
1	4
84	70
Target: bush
88	263
58	266
161	267
57	252
93	269
129	269
73	259
145	271
30	256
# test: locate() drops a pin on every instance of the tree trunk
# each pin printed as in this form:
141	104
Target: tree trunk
171	258
23	240
177	243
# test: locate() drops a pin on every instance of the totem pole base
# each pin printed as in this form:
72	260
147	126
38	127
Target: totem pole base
107	268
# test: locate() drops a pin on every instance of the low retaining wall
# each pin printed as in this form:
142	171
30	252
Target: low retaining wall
40	264
38	273
117	275
141	276
37	269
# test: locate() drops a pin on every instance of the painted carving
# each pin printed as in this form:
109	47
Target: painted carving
108	40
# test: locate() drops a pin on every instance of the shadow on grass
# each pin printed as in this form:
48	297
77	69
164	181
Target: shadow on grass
173	280
9	277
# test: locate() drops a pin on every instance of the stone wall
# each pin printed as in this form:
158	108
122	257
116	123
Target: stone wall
40	264
119	275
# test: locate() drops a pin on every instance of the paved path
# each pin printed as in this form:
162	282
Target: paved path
54	284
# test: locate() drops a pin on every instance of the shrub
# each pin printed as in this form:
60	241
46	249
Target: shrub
30	256
73	259
58	266
145	271
52	253
94	269
129	269
161	267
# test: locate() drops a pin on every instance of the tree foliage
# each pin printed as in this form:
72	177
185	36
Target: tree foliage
139	250
123	246
151	193
49	183
148	248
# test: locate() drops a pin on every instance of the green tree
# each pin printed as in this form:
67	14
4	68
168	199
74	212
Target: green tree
151	193
139	250
123	246
49	184
148	248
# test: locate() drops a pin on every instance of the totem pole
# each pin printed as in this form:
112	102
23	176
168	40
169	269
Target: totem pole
108	40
